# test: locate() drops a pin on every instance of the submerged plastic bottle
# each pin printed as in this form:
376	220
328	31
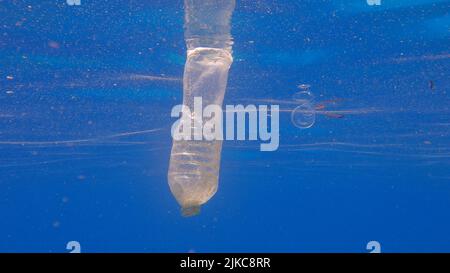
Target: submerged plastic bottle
194	164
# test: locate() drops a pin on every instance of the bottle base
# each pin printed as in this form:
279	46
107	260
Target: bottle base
190	211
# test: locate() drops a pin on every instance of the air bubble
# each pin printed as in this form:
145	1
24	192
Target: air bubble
303	96
304	115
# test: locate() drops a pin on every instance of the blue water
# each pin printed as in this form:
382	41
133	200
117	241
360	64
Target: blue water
85	98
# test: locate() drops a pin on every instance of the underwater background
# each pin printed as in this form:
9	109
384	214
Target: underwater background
86	91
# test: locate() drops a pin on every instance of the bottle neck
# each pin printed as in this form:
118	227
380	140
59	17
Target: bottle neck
207	23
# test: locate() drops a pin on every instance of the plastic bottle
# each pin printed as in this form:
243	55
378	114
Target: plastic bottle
194	164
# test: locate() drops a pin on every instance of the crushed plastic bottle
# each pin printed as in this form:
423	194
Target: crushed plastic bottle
194	164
